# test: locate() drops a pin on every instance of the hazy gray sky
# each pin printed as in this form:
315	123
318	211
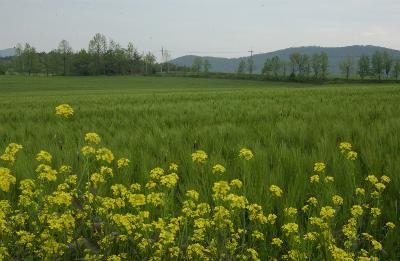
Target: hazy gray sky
206	27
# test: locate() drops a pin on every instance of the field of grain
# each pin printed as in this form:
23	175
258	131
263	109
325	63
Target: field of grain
154	121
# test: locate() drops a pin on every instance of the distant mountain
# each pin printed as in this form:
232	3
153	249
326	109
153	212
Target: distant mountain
7	52
335	54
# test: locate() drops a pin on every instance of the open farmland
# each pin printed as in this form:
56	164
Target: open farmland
155	121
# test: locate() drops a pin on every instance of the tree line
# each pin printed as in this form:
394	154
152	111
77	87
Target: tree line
107	57
102	57
302	67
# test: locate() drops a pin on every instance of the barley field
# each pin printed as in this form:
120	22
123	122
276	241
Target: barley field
163	168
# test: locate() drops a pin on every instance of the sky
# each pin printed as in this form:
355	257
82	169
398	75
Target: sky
226	28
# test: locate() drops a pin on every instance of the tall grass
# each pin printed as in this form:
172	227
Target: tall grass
156	121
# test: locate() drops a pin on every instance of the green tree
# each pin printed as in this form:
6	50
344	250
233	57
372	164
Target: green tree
3	67
304	65
19	58
316	65
149	60
295	62
65	51
324	65
363	66
241	66
197	64
267	69
275	66
81	63
346	66
98	48
30	59
396	69
206	66
387	63
377	64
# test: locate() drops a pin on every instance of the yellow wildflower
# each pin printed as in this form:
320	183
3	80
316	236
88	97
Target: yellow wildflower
193	194
337	200
44	156
360	191
10	151
123	162
46	172
380	186
345	146
390	225
313	201
105	154
311	236
351	155
372	179
253	253
6	179
246	154
277	242
92	137
290	228
271	218
314	179
173	167
87	150
218	168
319	167
327	212
375	212
329	179
64	110
277	191
385	179
376	245
257	235
357	210
199	156
290	211
106	171
236	183
97	178
169	180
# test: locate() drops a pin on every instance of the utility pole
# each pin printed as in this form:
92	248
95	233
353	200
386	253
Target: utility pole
162	57
251	61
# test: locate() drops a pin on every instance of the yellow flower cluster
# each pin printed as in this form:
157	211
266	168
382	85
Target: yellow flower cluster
10	151
277	191
92	137
199	156
218	168
44	156
123	162
59	215
319	167
64	110
246	154
6	179
346	148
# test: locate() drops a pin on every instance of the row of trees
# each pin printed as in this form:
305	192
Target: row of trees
299	65
103	57
107	57
379	65
200	65
316	66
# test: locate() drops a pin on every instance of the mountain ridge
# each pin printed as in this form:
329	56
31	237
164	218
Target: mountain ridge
7	52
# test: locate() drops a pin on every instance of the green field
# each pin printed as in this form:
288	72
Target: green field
154	121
